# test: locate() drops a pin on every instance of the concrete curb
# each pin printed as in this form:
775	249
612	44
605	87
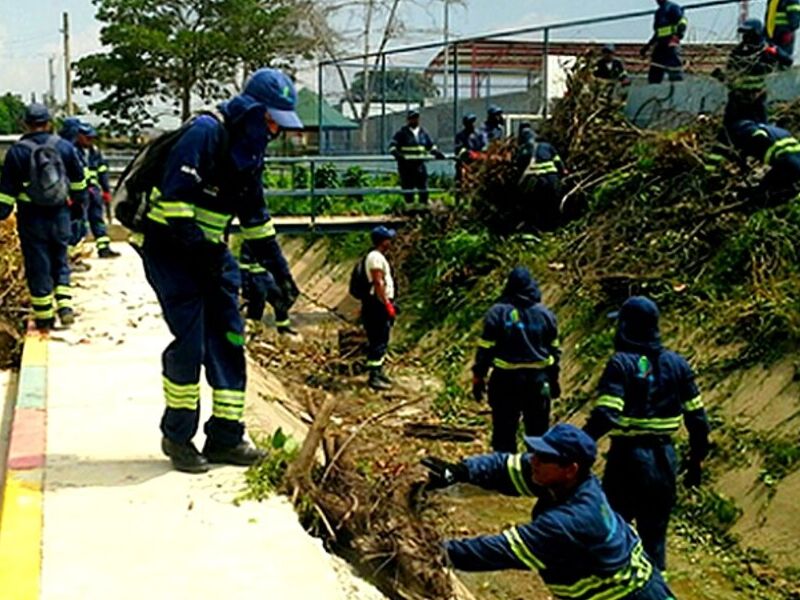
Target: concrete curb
21	519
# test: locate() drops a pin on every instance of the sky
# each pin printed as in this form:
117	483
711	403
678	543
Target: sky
30	30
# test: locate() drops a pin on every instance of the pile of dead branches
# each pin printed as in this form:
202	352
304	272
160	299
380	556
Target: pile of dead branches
13	297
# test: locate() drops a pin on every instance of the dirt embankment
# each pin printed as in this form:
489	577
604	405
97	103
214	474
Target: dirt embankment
375	441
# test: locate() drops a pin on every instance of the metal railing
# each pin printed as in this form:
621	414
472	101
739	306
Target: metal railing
379	63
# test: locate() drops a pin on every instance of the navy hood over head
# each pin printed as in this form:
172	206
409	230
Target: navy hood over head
244	119
637	326
521	288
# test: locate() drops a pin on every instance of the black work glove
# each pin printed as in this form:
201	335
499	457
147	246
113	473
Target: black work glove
444	474
478	388
693	475
438	154
290	291
644	50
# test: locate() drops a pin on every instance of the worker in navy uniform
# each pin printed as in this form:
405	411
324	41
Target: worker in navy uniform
748	65
644	394
494	128
196	278
77	208
669	27
787	21
780	151
540	171
582	549
96	169
44	228
469	147
412	146
520	345
610	68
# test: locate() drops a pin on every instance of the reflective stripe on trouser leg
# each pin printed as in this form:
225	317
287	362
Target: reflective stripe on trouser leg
63	296
168	269
43	307
181	395
228	404
102	242
223	358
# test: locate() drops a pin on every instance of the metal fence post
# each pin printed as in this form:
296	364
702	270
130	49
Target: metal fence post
312	184
455	90
320	126
383	104
545	74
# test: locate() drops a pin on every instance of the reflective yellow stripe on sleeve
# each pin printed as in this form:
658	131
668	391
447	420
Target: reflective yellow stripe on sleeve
608	401
78	186
258	232
695	403
514	466
6	199
521	551
482	343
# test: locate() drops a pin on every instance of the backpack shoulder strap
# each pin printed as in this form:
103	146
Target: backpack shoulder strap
52	141
29	144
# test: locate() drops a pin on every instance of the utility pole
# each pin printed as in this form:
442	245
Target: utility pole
51	78
67	64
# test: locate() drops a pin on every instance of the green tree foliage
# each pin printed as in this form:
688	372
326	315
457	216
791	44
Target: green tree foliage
167	52
401	86
12	109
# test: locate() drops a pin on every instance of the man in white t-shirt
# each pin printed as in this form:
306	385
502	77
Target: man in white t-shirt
377	309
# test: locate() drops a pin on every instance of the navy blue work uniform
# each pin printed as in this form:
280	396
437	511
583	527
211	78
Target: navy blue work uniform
195	277
787	20
44	231
411	150
97	177
669	27
469	145
78	207
748	65
541	170
520	344
644	394
582	549
778	149
260	287
611	70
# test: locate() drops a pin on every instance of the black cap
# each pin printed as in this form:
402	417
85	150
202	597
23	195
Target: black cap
36	114
412	112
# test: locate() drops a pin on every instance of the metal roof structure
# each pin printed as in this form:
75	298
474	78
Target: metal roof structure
516	56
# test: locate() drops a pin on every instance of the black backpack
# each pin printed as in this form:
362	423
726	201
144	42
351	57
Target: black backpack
49	184
359	282
132	194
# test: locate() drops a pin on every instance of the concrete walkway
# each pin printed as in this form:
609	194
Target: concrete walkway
117	522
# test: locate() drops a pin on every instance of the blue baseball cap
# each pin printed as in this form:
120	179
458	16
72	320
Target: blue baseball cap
36	114
381	232
565	442
276	91
494	110
87	130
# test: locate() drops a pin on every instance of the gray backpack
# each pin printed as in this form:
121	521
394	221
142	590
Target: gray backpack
49	184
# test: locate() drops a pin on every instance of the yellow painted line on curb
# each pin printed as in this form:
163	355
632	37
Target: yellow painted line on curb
21	538
34	353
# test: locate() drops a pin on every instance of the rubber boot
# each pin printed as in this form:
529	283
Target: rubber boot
107	252
44	324
184	457
66	316
243	454
375	381
384	377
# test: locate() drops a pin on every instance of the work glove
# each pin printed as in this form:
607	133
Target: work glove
438	154
443	474
391	310
644	50
771	51
693	474
478	388
290	291
106	197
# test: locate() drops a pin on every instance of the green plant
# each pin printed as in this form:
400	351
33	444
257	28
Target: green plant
264	478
